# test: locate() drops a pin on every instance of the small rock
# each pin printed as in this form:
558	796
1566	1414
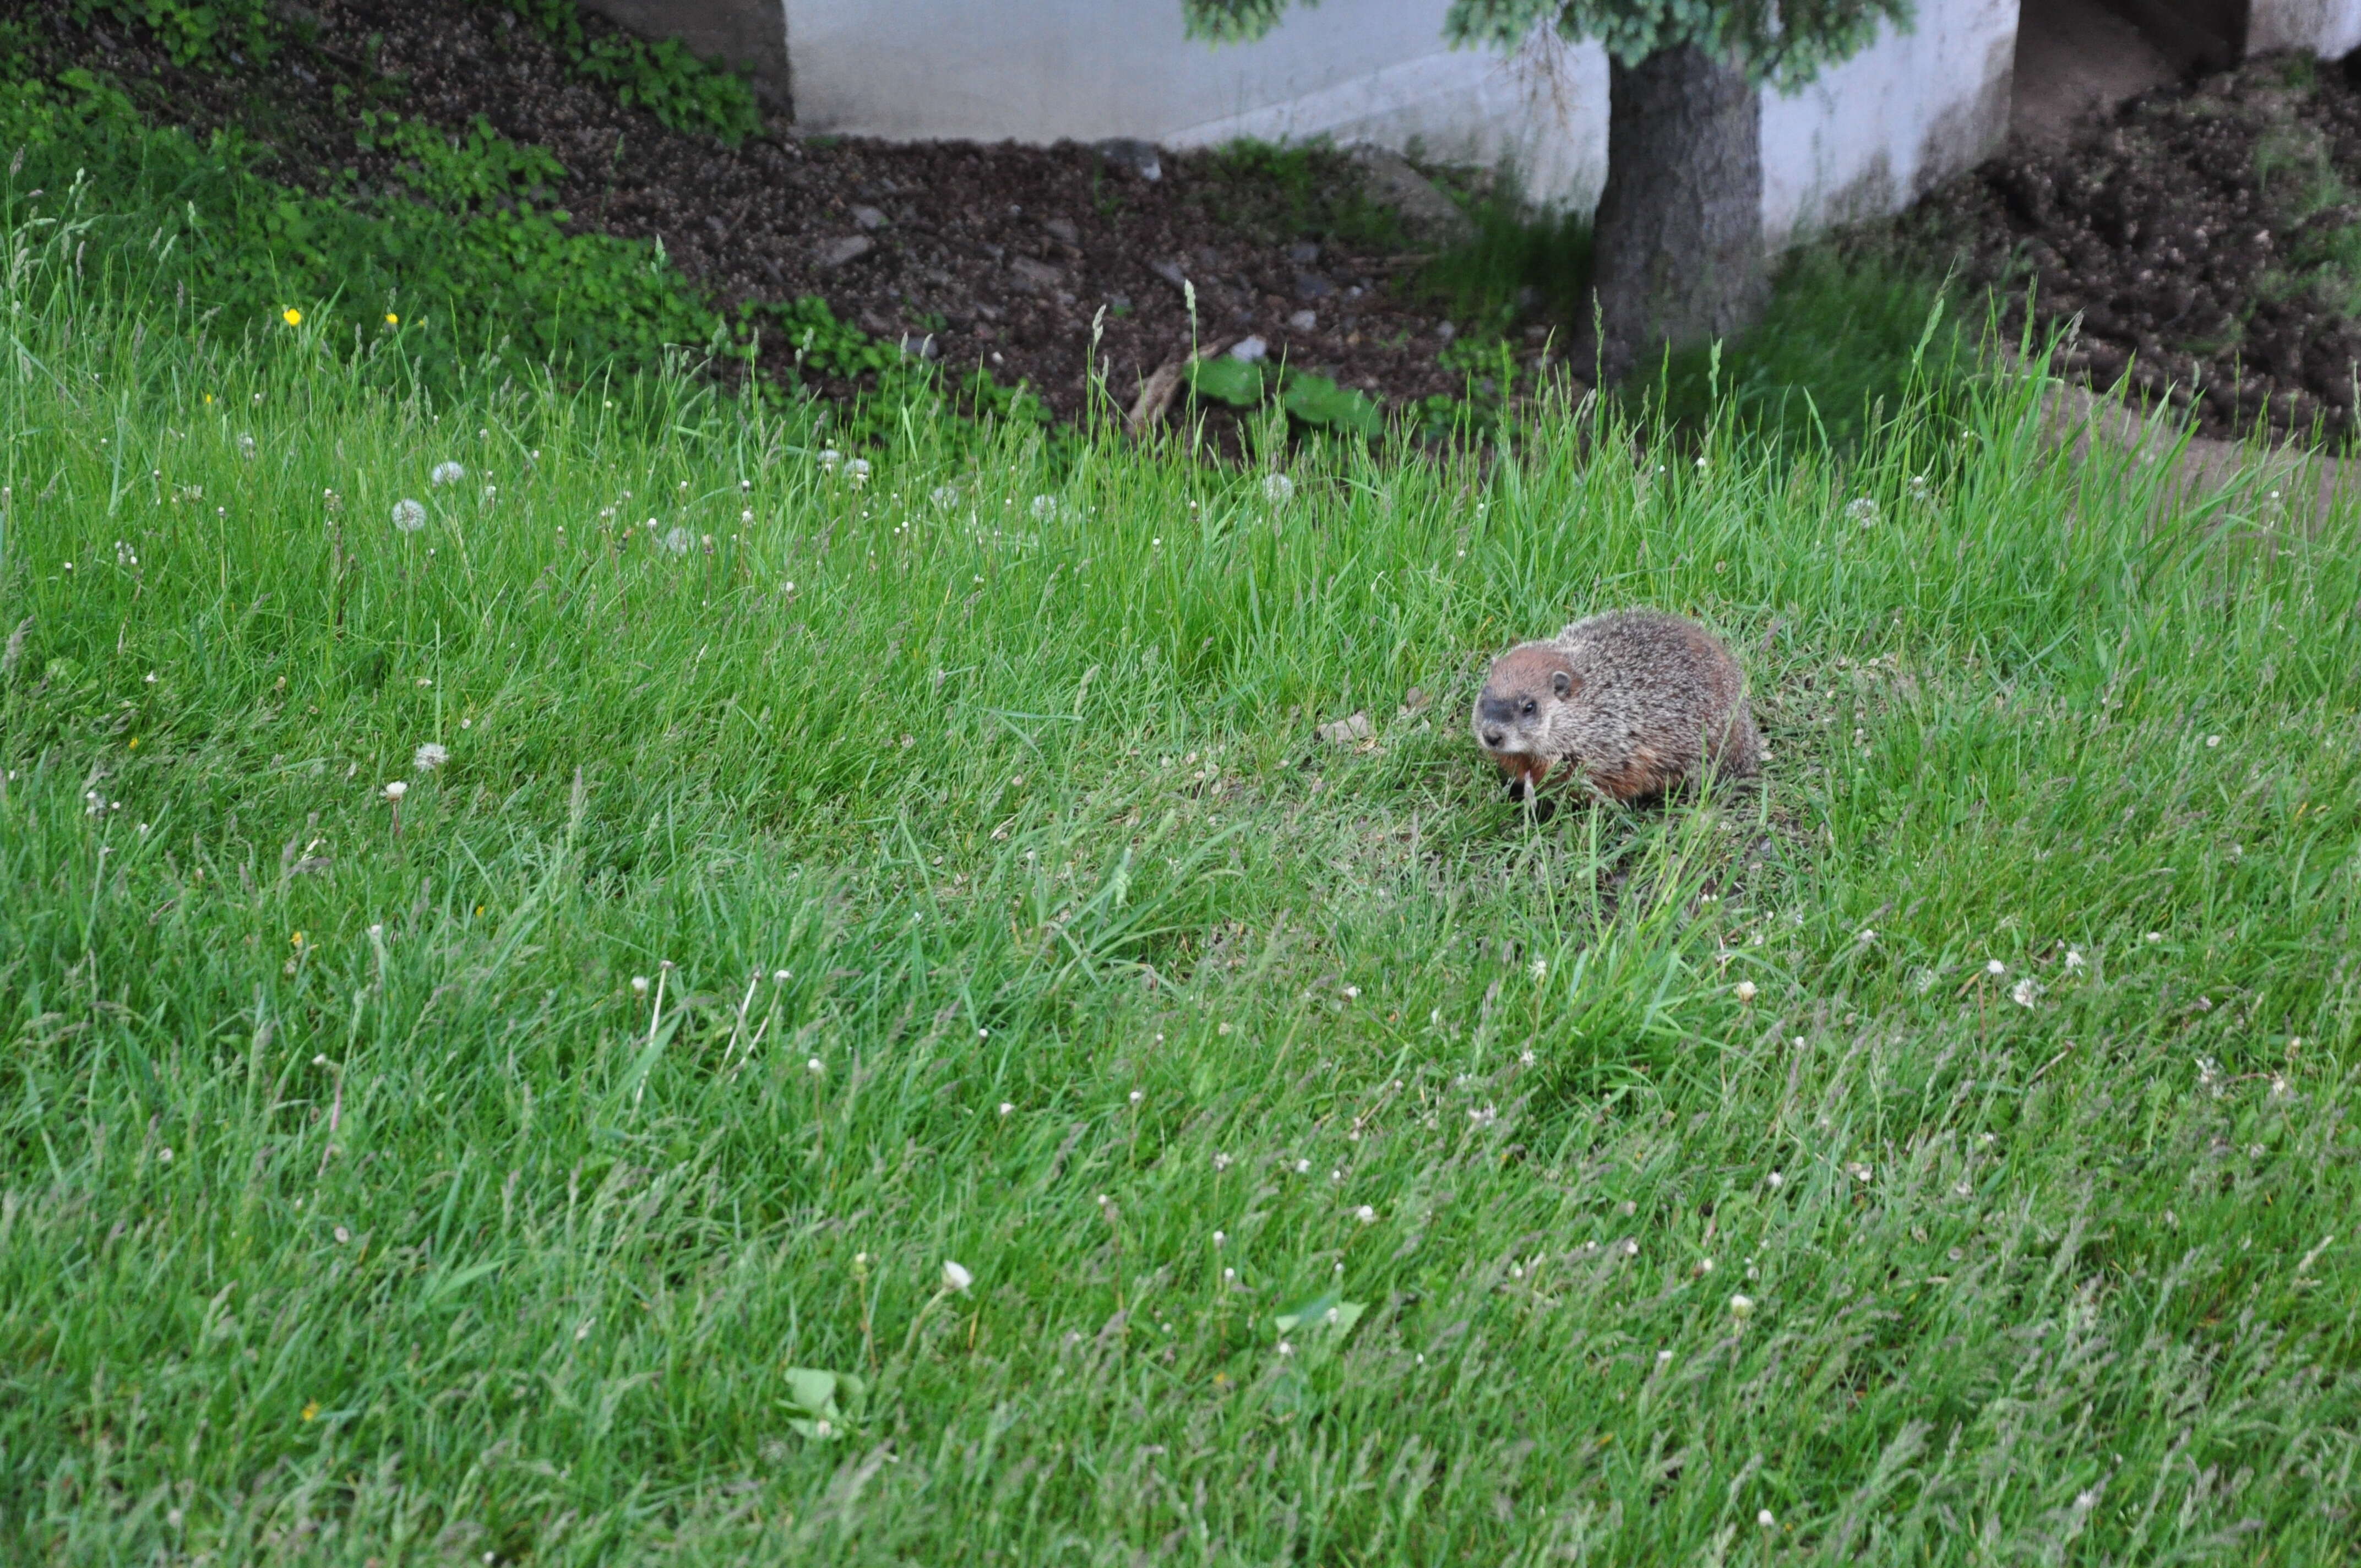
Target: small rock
1447	331
1062	230
1345	731
1311	286
1133	156
1434	217
869	217
1249	350
1039	277
920	346
1304	321
835	253
1304	253
1171	272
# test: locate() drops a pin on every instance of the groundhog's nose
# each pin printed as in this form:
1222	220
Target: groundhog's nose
1493	738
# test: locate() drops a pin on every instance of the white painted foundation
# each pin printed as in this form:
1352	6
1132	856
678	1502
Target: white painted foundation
1871	135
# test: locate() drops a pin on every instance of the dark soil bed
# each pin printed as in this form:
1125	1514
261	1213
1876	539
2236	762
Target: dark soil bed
997	257
2207	238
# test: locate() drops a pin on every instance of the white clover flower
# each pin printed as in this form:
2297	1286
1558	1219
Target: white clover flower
856	472
1862	512
447	474
1366	1214
2025	993
1745	991
679	542
815	1066
639	985
955	1277
1007	1107
429	757
409	516
1741	1307
1278	490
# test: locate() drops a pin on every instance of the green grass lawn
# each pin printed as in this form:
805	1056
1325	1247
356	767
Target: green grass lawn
1943	1154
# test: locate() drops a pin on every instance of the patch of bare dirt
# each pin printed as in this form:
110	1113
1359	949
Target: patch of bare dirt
2205	239
996	257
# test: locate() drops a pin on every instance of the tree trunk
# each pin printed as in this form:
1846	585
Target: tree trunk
1676	249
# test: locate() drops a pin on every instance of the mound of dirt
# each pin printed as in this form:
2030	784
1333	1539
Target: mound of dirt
998	257
2207	237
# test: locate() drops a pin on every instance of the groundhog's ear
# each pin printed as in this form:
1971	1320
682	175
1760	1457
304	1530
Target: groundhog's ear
1562	682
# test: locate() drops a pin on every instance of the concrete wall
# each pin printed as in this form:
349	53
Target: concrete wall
2330	28
1874	134
1865	140
1038	70
749	36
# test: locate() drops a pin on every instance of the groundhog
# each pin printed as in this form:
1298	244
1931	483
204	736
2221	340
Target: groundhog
1635	700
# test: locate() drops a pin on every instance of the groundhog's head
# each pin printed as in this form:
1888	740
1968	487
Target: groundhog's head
1526	688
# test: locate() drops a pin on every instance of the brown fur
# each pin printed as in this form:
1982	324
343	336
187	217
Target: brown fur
1638	702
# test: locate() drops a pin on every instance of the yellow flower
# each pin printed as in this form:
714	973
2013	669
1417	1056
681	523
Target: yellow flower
297	940
312	1410
134	743
392	320
291	316
209	397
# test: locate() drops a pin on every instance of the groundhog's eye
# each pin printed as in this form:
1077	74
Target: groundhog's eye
1529	707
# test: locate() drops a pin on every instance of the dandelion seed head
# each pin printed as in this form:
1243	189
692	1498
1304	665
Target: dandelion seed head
396	790
409	516
956	1277
1994	967
1278	490
1741	1307
639	985
429	757
448	473
1746	990
1366	1214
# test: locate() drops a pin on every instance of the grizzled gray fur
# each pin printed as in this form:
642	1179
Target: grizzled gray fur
1636	701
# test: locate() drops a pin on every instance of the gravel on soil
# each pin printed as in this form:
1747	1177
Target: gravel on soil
999	257
2203	241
